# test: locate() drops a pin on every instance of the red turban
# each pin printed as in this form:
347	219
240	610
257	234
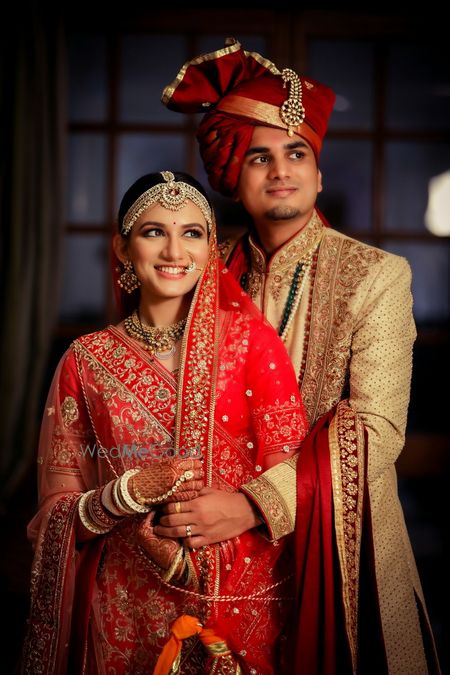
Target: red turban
239	90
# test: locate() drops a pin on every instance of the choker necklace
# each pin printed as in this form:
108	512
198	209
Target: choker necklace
159	341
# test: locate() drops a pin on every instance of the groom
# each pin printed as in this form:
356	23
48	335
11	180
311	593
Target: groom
344	311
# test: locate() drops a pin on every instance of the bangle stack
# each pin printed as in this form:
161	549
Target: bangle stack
107	500
92	513
101	509
125	499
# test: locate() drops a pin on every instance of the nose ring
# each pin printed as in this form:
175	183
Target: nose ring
192	266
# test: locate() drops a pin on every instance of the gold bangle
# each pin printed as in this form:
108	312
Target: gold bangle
118	502
84	517
168	574
108	501
125	495
97	511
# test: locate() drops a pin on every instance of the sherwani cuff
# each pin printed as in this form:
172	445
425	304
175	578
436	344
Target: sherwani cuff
274	494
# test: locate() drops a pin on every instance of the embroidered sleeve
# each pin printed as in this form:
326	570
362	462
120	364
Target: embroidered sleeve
63	466
274	494
278	414
279	422
66	428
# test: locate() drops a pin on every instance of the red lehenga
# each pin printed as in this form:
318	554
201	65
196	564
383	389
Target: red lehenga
103	606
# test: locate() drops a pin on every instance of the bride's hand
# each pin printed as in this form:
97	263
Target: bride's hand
161	550
167	480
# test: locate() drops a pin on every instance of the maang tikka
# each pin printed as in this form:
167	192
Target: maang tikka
172	195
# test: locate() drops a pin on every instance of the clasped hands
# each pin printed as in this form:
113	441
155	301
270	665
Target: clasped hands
197	515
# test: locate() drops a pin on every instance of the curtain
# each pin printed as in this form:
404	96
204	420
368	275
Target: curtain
32	138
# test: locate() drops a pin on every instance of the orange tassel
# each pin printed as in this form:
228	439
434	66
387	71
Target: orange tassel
183	627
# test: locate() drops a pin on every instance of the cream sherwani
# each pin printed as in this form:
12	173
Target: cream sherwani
351	336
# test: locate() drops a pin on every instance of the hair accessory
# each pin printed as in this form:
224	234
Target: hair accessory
172	195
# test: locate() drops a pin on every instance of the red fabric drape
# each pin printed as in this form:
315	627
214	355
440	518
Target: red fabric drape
316	625
88	562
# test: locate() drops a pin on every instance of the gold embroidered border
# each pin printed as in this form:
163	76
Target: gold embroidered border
275	495
346	439
342	265
47	584
281	267
196	393
263	62
225	248
203	58
231	46
196	383
99	363
299	247
257	269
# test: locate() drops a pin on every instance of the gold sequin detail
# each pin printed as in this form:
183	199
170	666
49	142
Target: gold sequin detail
69	411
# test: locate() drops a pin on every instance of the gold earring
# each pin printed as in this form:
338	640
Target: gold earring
128	279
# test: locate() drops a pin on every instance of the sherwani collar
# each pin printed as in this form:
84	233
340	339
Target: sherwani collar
296	249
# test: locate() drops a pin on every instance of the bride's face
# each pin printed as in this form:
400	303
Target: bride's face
162	245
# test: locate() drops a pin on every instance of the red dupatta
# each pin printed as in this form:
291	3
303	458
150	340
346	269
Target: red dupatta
337	622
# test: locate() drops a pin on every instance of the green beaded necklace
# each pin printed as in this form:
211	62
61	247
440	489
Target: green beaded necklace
290	300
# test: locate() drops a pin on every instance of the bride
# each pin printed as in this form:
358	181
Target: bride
192	391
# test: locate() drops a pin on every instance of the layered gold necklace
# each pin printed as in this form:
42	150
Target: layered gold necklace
160	341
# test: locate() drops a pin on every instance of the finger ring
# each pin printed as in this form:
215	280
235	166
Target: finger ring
188	475
188	531
177	507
